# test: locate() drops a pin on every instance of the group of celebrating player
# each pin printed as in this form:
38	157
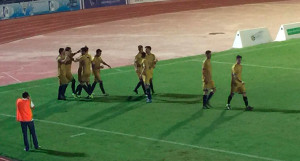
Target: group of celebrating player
144	65
86	65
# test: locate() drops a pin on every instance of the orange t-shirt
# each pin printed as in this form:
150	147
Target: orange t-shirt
24	113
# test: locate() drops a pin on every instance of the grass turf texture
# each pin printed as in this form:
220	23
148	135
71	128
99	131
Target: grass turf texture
271	130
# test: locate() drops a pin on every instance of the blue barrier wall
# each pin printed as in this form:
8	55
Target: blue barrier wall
102	3
37	7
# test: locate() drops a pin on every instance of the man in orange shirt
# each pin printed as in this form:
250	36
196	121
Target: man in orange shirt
24	116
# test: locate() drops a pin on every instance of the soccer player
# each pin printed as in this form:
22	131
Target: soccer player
68	65
152	62
208	83
96	66
63	81
146	73
85	60
237	85
138	69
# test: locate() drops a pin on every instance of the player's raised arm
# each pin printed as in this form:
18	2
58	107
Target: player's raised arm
106	64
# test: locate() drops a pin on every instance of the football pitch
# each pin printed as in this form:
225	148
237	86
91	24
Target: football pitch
122	127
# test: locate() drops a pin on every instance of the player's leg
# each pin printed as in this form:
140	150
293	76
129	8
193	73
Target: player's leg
93	86
204	100
151	86
79	89
147	88
25	138
210	96
137	87
102	87
64	88
73	86
151	78
33	134
229	100
245	98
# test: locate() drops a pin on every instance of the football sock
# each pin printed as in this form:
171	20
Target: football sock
149	94
79	89
73	85
90	89
229	99
93	87
204	100
86	89
151	86
64	88
59	91
137	86
246	101
101	87
143	85
210	95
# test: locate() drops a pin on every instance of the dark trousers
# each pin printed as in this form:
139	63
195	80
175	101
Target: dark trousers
30	125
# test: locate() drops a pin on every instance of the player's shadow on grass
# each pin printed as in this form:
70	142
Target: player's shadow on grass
217	122
180	124
271	110
114	111
178	98
60	153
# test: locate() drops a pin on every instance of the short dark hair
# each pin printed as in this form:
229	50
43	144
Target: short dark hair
148	47
68	48
61	50
140	46
25	94
207	52
98	50
238	56
84	49
143	54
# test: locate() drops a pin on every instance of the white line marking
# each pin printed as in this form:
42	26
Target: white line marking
260	66
12	77
77	135
117	69
153	139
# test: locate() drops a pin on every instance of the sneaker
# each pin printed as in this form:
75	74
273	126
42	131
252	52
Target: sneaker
90	96
26	149
106	94
149	100
249	108
228	107
135	91
208	105
205	107
39	147
74	95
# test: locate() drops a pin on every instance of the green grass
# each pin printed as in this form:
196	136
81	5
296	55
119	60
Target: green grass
271	73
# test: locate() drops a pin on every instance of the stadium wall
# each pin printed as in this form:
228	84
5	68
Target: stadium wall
38	7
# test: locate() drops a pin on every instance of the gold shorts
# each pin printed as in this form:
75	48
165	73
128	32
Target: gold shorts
97	77
151	73
209	86
85	77
148	77
238	88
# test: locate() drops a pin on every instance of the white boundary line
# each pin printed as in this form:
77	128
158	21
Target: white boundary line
153	139
260	66
77	135
12	77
